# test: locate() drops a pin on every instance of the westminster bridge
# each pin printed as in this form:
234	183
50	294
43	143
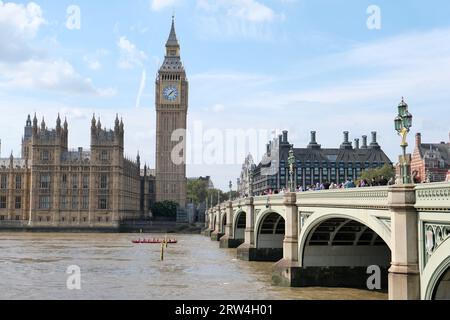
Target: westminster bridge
334	237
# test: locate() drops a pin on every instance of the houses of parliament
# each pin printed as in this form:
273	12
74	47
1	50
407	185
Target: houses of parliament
51	185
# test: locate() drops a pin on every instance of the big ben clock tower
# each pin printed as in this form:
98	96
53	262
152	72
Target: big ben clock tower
171	117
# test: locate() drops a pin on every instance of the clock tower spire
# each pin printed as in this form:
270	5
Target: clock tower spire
171	122
172	45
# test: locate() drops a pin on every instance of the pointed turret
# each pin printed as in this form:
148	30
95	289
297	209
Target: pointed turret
35	121
99	124
28	131
43	124
172	45
93	121
58	122
172	41
117	123
66	125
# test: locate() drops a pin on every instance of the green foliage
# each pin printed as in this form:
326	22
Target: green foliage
165	209
387	171
197	191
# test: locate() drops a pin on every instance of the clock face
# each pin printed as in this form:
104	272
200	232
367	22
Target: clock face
170	93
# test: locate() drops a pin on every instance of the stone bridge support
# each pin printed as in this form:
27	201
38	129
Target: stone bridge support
209	223
247	250
228	241
404	275
217	233
286	271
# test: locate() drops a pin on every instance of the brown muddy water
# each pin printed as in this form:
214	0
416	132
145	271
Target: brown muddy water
33	266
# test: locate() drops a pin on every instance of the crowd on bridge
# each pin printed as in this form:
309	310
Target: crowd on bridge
349	184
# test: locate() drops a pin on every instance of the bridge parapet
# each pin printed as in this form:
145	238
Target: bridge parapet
433	197
269	200
361	198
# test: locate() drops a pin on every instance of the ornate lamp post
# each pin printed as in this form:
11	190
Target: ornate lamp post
291	162
231	189
403	124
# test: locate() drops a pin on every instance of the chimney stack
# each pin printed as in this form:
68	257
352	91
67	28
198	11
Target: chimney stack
364	142
418	139
346	144
285	137
357	144
313	144
313	137
374	144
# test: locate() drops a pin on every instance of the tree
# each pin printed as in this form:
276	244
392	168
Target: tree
387	171
197	191
165	209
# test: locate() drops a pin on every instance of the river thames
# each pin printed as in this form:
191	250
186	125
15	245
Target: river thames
34	266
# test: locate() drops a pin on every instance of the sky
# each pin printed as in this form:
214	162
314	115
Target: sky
254	66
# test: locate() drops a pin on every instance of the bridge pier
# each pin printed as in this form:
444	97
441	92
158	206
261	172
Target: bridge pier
247	250
216	234
209	224
287	271
227	241
404	275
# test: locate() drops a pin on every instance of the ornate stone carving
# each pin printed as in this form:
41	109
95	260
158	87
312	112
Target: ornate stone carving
435	235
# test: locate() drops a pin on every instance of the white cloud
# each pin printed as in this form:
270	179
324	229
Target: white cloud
236	18
217	108
157	5
249	10
25	67
93	60
18	24
49	75
130	55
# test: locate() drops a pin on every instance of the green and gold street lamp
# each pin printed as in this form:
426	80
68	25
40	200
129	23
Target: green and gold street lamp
231	189
291	162
403	124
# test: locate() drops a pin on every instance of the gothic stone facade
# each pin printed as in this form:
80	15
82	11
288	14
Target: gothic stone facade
171	117
315	164
244	182
52	186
